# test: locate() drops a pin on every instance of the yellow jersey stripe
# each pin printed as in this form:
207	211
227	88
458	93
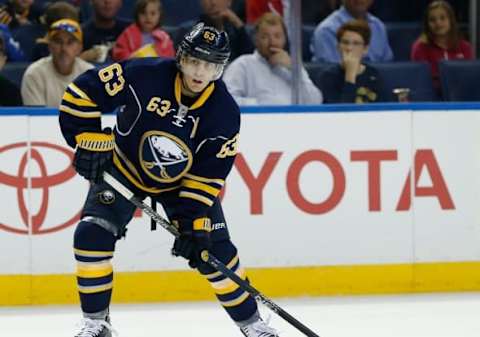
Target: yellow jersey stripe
197	197
89	272
79	92
230	265
78	113
95	289
220	182
78	101
236	301
228	286
92	253
200	186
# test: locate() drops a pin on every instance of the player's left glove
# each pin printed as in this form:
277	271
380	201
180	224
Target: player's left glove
93	154
194	239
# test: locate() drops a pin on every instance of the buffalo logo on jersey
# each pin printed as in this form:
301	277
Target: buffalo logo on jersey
164	157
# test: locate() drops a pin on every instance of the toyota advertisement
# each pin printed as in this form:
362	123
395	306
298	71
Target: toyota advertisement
307	189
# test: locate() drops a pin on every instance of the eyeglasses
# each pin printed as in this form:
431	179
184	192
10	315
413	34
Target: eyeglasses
352	43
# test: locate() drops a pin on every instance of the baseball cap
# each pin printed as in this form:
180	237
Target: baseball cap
66	25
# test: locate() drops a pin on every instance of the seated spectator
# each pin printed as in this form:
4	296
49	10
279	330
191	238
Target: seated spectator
101	32
15	13
256	8
440	39
265	77
144	37
9	93
12	48
45	80
351	81
217	13
54	12
324	40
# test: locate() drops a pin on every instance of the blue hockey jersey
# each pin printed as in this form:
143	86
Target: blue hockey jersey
160	143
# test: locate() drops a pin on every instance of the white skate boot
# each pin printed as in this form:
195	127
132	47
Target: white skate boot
259	329
95	328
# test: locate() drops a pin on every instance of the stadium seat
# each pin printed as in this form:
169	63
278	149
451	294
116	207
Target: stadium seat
316	70
401	36
14	72
415	76
459	80
307	32
178	12
26	35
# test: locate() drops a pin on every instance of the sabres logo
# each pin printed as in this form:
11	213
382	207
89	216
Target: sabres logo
164	157
106	197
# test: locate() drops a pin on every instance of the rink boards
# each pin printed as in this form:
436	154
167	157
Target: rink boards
321	201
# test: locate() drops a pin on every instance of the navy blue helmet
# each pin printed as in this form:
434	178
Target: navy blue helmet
205	43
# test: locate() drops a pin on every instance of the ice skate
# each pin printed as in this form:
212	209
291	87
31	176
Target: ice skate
259	329
95	328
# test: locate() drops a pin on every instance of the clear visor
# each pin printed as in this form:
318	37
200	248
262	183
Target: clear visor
200	69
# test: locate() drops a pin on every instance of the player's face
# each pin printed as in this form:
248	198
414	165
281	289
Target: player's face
64	48
269	38
197	74
439	22
352	43
150	17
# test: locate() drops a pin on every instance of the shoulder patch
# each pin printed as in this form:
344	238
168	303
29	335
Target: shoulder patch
229	148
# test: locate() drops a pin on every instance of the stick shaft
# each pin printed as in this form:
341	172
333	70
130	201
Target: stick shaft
212	260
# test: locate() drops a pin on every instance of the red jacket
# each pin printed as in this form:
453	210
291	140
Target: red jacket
256	8
131	39
431	53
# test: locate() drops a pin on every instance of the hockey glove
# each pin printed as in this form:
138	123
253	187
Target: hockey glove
194	240
93	154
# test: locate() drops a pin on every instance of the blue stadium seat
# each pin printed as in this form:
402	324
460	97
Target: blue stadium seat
401	36
14	72
415	76
316	70
178	12
459	80
307	32
27	35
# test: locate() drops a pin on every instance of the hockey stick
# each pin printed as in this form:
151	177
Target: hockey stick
206	257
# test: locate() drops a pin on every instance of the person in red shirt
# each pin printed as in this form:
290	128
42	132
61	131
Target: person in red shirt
144	37
256	8
440	39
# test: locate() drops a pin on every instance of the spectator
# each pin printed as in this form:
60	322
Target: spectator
217	13
351	81
54	12
265	77
144	37
256	8
101	32
440	39
9	93
12	48
324	42
15	13
45	80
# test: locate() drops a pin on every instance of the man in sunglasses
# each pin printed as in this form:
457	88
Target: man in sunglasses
45	80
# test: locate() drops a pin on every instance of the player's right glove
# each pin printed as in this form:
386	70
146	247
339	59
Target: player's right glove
194	239
93	154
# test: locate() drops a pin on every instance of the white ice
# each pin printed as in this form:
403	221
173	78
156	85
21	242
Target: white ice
433	315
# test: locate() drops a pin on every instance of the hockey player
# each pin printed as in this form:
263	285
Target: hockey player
175	140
